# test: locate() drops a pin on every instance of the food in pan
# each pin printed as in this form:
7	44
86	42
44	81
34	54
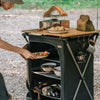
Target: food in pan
36	54
41	54
57	28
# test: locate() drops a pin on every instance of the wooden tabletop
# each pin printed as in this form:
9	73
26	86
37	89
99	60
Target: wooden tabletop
71	32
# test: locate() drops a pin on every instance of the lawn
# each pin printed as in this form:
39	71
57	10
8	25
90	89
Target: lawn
65	4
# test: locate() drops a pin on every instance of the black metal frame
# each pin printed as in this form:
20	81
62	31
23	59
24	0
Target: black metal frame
70	86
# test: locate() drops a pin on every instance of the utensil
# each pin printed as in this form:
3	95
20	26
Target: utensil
81	57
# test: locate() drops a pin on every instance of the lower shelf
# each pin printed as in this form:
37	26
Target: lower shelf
55	98
43	97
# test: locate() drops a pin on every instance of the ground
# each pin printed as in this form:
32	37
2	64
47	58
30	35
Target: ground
13	66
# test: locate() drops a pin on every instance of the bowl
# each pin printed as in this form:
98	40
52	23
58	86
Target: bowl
57	68
57	72
48	67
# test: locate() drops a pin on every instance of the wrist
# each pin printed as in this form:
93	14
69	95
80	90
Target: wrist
20	50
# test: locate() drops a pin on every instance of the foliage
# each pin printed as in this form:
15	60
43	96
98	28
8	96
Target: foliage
65	4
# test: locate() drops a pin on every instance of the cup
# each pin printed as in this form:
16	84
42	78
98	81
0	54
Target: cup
90	48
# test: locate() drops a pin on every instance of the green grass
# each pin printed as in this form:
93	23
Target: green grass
65	4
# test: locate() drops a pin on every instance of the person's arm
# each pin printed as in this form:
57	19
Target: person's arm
23	52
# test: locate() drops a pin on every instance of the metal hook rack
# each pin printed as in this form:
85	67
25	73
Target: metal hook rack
81	74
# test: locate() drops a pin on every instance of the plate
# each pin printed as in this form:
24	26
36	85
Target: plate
48	67
57	32
42	56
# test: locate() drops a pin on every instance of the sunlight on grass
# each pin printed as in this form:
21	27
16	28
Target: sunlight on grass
65	4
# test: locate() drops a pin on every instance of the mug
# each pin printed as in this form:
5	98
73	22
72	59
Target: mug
89	47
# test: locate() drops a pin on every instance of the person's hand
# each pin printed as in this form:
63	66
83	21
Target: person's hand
10	96
27	54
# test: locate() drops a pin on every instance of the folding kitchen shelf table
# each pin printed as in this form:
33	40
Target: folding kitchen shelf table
77	78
